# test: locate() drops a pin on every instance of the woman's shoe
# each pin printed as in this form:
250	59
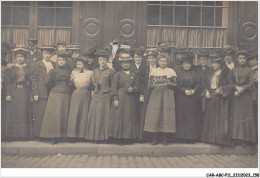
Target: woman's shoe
53	141
164	143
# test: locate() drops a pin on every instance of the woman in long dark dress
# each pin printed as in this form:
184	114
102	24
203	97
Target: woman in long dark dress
145	92
218	86
55	120
188	118
80	101
100	107
18	123
242	112
160	115
124	124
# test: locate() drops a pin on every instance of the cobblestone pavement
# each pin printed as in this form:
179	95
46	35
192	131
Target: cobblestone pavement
90	161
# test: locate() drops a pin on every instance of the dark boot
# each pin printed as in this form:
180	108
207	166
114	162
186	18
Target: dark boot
53	141
164	142
154	139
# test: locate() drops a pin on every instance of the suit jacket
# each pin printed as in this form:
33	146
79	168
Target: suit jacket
38	79
203	74
102	79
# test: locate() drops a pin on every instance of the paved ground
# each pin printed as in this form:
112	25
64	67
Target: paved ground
90	161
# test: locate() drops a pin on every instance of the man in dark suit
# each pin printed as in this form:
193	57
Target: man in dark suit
34	55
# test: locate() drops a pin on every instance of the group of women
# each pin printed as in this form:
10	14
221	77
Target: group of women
146	97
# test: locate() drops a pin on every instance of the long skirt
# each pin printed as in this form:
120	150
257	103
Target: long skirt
216	121
147	94
55	121
124	124
18	122
242	117
38	114
188	114
99	117
160	114
78	115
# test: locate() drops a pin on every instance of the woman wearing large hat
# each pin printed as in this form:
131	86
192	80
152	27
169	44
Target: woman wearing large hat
18	123
188	118
242	113
99	111
124	124
218	87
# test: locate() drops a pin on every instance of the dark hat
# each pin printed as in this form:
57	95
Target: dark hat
73	47
139	51
89	52
187	57
203	53
5	48
32	41
80	59
20	49
165	46
47	48
241	52
125	57
63	54
216	57
181	49
229	50
151	51
102	52
61	43
252	55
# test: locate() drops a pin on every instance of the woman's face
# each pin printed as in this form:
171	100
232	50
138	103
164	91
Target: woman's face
252	62
80	65
162	62
61	48
126	65
61	61
75	54
215	65
20	58
90	60
241	59
46	55
138	58
102	61
152	60
228	58
186	65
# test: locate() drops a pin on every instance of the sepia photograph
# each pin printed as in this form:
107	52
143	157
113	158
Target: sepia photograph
130	84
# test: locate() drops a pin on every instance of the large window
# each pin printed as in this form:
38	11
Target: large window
54	22
15	22
195	24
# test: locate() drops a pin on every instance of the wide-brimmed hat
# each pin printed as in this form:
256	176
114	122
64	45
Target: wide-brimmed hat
203	53
252	55
5	48
229	50
151	51
140	51
216	57
20	49
63	54
241	52
126	48
165	46
32	42
47	48
187	57
73	47
61	43
89	52
124	57
181	49
102	52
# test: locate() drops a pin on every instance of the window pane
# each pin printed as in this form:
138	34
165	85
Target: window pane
64	4
219	3
194	16
153	2
194	3
21	16
180	15
46	3
208	3
218	16
6	3
21	3
167	2
63	17
167	16
208	16
45	17
180	3
153	15
6	15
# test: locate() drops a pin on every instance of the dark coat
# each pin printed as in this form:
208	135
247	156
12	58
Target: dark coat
38	79
34	58
103	76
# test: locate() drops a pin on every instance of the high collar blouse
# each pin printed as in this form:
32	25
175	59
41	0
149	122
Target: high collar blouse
163	71
81	79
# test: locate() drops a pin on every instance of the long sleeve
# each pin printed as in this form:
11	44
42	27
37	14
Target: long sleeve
8	82
250	83
50	78
197	83
227	88
115	85
34	78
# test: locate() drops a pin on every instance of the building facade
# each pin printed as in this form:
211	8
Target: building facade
196	24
